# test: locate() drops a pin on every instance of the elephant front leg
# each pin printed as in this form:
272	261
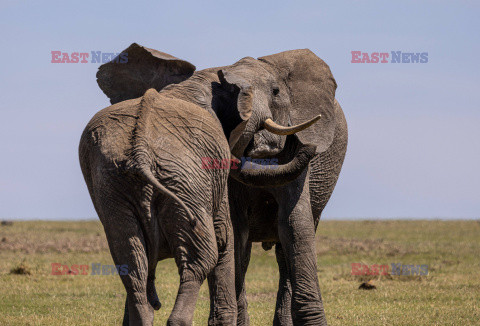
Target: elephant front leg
243	249
242	259
283	309
296	231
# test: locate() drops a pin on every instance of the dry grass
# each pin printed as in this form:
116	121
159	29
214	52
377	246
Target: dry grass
449	294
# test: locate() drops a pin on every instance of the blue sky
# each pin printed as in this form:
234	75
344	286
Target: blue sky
414	128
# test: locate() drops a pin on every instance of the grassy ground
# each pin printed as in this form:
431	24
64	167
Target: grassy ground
449	295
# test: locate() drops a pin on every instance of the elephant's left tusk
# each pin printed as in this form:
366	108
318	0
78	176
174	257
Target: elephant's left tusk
281	130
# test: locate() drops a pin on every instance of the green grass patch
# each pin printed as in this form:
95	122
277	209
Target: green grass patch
448	295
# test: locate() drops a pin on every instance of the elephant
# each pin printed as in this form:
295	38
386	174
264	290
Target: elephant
257	203
141	159
140	162
288	87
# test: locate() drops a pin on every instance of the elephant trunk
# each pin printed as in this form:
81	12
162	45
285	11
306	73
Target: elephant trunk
267	176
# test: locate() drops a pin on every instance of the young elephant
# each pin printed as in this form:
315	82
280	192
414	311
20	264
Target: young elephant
141	160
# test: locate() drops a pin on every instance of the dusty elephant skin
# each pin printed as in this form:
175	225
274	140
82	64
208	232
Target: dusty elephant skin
141	159
302	87
155	202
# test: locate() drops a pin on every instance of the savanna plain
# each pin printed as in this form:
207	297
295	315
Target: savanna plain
448	295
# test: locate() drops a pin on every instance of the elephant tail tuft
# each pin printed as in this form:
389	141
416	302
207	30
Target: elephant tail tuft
150	178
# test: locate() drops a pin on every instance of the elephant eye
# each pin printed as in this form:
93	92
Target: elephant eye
275	91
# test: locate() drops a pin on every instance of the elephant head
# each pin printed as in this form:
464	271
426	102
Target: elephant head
288	88
276	106
294	89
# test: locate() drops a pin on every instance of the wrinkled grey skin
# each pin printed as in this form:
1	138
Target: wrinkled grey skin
134	155
295	209
306	88
289	88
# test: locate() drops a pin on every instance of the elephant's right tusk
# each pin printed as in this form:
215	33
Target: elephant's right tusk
281	130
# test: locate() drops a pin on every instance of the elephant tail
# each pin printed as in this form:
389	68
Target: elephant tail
150	178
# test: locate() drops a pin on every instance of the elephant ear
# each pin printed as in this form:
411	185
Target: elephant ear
144	69
312	92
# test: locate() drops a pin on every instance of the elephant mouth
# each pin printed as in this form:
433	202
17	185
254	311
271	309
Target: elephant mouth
292	160
262	151
269	149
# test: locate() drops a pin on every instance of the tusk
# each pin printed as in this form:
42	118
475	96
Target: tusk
281	130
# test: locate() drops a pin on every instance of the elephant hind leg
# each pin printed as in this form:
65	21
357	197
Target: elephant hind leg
127	246
152	299
195	251
221	281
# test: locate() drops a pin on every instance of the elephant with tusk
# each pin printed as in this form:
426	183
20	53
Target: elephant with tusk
281	130
141	160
